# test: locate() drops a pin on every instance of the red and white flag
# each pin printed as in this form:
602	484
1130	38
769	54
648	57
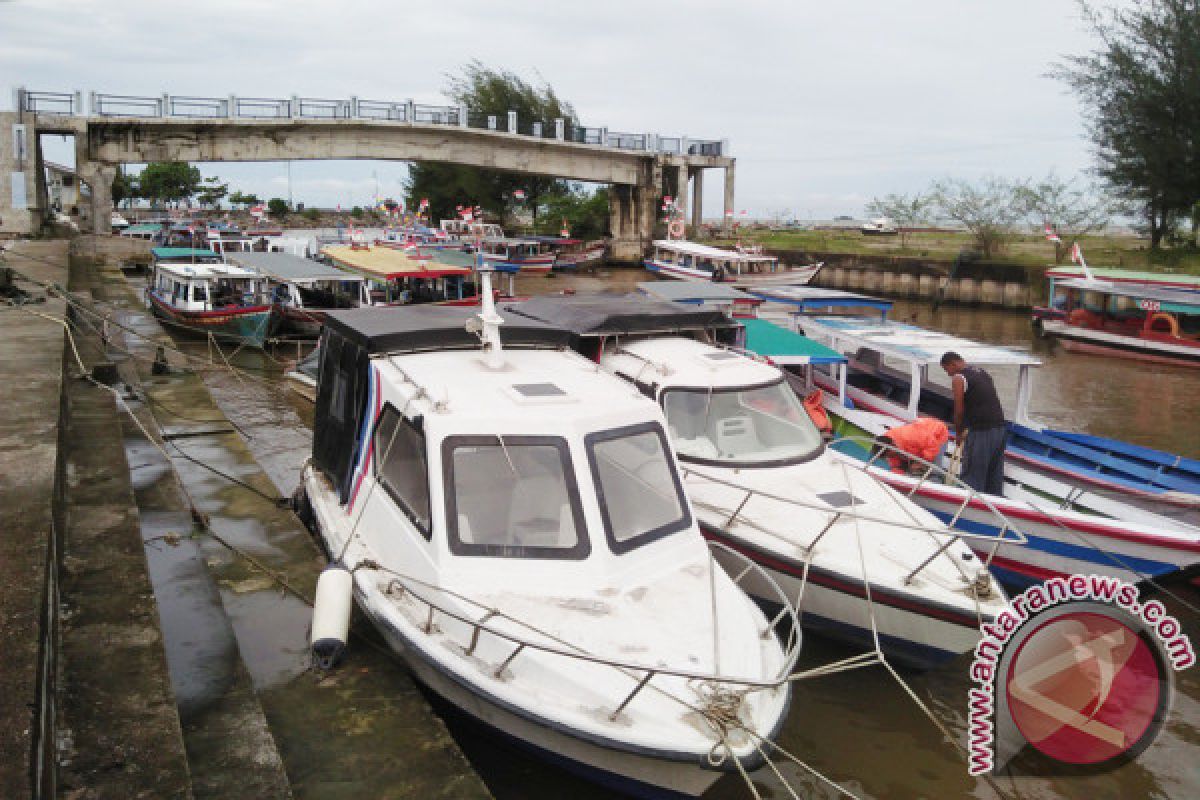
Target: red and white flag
1051	236
1077	253
519	194
729	213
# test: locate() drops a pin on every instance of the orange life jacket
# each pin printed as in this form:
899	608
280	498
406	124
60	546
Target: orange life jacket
922	438
816	412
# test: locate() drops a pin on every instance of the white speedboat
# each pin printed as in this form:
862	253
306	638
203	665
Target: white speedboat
517	530
850	548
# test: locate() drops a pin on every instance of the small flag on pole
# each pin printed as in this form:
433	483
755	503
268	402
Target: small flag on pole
519	194
1051	236
729	213
1077	257
566	230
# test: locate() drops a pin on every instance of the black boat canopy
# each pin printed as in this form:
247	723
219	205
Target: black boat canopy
618	314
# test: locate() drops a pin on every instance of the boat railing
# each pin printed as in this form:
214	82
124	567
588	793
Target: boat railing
485	623
1008	532
931	471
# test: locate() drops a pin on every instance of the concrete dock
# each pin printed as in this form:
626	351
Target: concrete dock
152	649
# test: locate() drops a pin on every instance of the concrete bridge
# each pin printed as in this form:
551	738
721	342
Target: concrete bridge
110	130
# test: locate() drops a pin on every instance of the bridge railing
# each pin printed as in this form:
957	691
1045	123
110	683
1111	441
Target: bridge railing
236	107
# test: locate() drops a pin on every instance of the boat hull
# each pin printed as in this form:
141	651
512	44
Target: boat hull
1161	349
250	325
911	631
787	276
629	770
302	322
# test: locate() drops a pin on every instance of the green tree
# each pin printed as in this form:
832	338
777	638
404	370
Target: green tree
244	200
1141	92
124	187
169	181
989	210
907	212
585	212
356	212
1072	211
211	191
277	207
490	92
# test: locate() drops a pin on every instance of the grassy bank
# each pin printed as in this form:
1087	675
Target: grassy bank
1029	251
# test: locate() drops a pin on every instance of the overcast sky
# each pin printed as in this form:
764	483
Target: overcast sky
826	104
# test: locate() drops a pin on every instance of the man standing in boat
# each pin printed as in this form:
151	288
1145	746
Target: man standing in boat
978	423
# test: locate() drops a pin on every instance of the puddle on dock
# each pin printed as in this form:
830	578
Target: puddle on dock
859	728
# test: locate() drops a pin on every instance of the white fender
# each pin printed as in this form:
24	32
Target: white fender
331	615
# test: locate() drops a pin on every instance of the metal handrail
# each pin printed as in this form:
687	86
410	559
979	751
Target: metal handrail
234	106
480	625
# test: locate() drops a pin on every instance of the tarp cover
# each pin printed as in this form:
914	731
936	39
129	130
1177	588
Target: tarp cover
426	327
611	314
785	347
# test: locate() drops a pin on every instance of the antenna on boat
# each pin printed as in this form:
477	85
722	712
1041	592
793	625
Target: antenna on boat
489	320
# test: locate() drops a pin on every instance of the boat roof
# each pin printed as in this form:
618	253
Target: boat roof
618	314
706	251
287	267
144	227
538	390
786	347
431	327
910	343
1180	280
507	240
182	254
694	292
206	271
384	263
555	239
689	363
1172	299
813	298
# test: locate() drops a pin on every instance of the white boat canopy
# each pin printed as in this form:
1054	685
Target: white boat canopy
288	268
704	251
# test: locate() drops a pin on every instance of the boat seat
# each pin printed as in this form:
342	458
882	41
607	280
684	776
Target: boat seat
540	516
736	435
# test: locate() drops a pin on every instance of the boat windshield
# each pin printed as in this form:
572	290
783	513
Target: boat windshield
746	426
641	498
512	497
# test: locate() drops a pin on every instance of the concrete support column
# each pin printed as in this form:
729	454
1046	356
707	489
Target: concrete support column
681	191
728	216
697	198
99	178
632	212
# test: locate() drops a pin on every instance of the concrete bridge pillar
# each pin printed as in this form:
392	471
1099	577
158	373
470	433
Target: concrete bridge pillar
681	191
22	183
729	212
631	214
99	178
697	198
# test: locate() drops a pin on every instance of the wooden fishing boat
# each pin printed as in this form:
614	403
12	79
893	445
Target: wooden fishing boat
526	255
394	277
302	290
720	296
1051	472
572	253
1146	323
512	522
678	258
193	291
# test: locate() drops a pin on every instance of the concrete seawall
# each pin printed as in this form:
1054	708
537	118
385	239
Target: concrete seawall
996	285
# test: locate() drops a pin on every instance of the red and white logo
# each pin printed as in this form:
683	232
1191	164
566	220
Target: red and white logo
1085	688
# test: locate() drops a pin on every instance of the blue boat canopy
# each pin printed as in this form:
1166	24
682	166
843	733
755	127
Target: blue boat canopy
785	347
183	254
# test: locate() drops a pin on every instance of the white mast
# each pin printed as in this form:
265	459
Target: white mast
488	317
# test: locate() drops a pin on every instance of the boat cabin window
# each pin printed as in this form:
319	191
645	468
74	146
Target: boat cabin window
746	426
401	468
640	495
512	497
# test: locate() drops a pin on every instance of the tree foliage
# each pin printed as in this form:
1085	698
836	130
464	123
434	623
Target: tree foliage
585	213
124	187
906	211
1070	209
989	210
484	92
211	191
277	207
169	181
1141	92
244	200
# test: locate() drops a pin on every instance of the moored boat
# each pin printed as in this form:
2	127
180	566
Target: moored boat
516	529
1127	320
395	277
302	290
572	253
526	255
678	258
194	291
860	558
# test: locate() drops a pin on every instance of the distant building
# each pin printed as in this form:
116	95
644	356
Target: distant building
65	192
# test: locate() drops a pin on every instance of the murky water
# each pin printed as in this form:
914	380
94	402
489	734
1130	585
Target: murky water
858	728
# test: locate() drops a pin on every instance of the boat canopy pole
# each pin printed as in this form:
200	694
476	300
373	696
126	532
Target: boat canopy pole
1024	392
